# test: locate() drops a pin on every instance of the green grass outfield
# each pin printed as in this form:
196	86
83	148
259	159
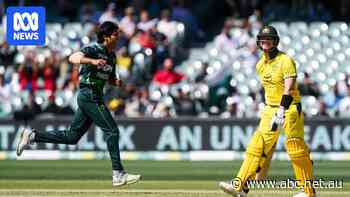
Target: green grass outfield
160	178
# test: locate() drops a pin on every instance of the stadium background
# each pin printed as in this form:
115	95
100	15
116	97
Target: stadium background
207	112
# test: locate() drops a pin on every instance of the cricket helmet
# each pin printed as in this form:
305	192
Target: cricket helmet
268	33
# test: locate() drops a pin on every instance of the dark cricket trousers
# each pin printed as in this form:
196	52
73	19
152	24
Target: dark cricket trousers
90	109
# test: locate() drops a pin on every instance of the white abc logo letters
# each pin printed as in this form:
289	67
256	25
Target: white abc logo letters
19	24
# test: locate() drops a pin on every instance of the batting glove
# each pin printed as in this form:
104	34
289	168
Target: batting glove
278	119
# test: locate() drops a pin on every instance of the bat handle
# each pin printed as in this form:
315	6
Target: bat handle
274	127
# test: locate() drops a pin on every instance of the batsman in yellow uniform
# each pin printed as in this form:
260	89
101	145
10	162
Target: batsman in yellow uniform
277	72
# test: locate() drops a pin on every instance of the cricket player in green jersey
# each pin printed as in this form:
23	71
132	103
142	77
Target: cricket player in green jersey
97	63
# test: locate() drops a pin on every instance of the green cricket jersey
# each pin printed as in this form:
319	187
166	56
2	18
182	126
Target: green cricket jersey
91	76
91	108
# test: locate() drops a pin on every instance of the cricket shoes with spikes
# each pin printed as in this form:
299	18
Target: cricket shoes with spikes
125	179
303	194
228	188
26	138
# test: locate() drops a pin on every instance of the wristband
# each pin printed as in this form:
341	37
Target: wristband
286	101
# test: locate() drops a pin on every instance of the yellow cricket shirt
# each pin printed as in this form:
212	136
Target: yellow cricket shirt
272	74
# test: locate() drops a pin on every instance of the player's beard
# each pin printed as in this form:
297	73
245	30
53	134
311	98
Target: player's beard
272	52
114	42
111	43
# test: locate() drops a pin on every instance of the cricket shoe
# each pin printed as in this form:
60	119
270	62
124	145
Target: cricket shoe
125	179
303	194
26	138
228	188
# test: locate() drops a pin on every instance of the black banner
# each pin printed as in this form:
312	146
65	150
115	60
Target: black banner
183	134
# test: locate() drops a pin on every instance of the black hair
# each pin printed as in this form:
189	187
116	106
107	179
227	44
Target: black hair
105	29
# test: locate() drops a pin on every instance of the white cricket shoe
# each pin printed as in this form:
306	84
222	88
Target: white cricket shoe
227	187
125	179
25	139
303	194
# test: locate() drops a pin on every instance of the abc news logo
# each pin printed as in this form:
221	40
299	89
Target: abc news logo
32	26
26	25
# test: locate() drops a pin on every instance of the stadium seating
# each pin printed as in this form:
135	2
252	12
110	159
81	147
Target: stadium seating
320	49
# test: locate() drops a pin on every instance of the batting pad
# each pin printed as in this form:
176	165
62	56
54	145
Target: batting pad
299	154
264	165
251	163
